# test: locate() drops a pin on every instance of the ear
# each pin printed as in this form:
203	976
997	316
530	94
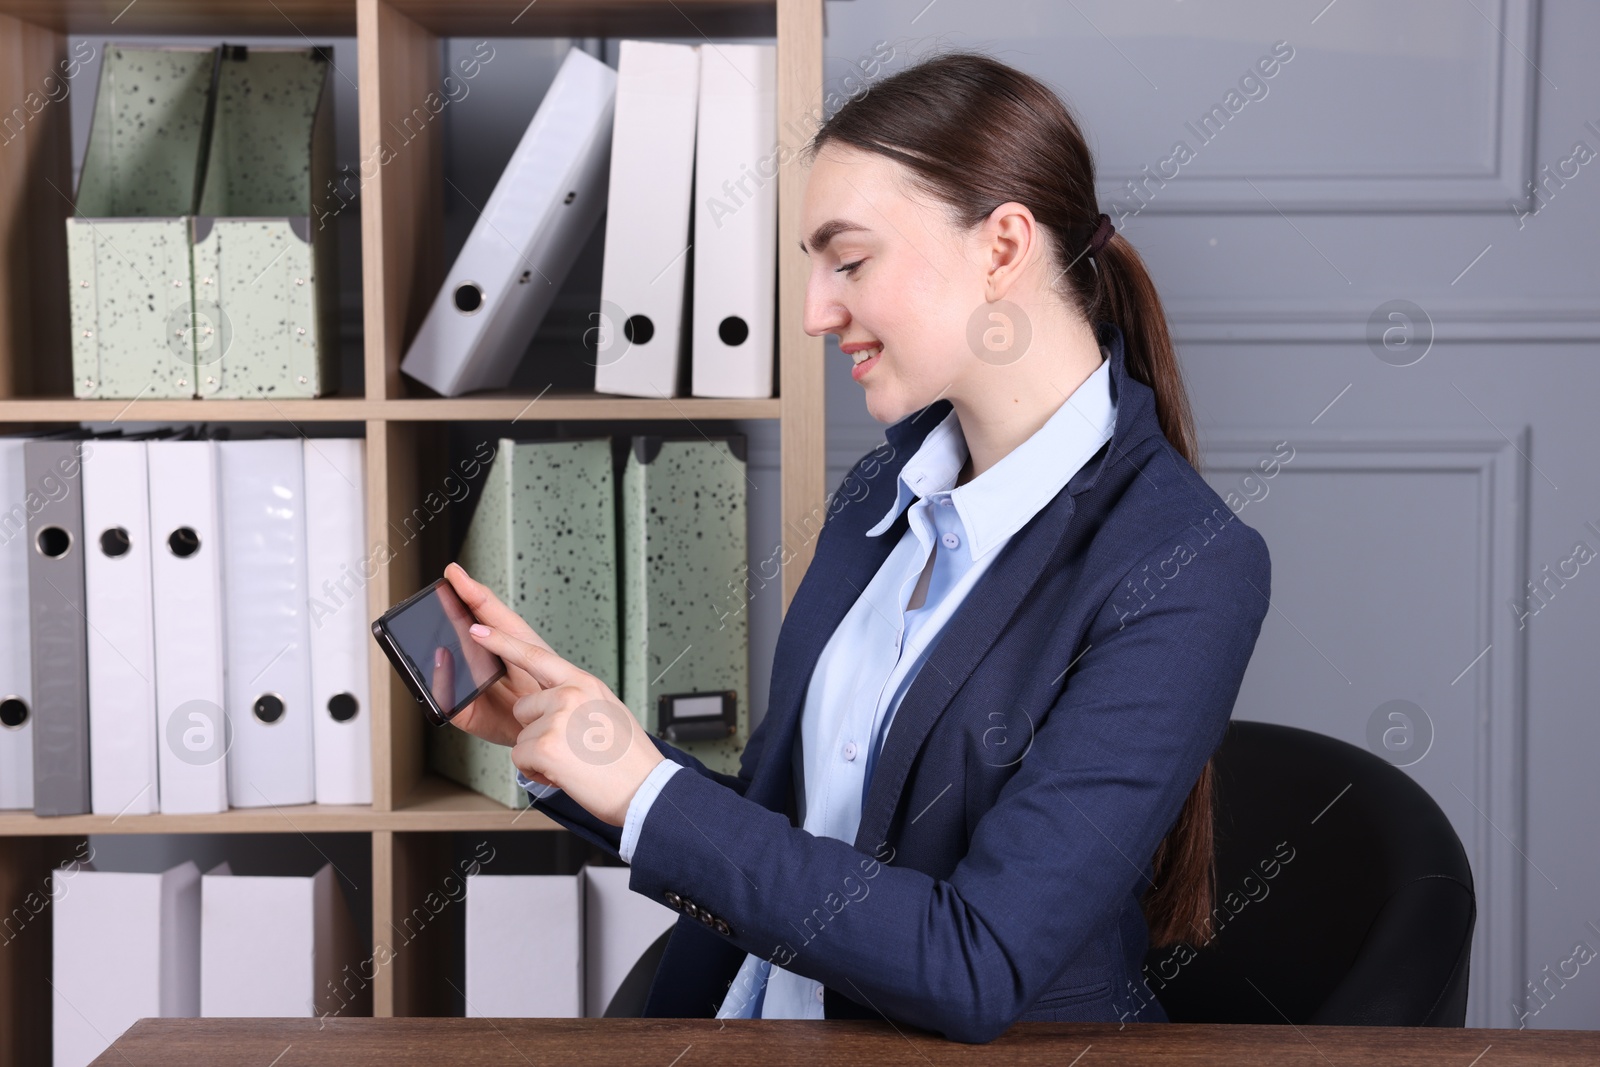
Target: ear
1011	240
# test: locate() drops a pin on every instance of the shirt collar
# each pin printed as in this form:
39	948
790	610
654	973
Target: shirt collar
1001	500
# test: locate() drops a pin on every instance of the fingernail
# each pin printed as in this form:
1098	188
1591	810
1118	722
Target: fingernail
479	630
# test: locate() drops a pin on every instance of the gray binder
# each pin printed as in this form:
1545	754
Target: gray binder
60	668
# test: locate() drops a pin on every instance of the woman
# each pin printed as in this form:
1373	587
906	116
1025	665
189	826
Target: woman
982	787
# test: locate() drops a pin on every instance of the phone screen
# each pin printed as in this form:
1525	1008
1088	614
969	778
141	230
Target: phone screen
430	633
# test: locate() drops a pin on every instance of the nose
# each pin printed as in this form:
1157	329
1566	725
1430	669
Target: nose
823	314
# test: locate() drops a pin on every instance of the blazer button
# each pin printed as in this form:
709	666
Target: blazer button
674	899
722	928
707	918
690	908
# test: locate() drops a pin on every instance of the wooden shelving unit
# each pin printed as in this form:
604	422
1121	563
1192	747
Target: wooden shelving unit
398	41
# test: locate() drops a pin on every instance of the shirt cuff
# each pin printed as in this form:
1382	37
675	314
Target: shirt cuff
639	806
534	789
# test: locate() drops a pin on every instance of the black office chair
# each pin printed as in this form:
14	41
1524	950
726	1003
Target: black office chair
1367	916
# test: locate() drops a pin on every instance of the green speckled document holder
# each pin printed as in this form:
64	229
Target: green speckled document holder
684	538
196	260
543	537
264	268
128	253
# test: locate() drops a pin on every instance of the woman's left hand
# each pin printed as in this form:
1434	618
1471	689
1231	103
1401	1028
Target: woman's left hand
575	732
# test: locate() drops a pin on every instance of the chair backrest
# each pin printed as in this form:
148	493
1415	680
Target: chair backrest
1343	894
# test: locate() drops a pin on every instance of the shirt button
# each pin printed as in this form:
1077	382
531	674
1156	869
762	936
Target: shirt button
849	750
819	994
946	501
951	540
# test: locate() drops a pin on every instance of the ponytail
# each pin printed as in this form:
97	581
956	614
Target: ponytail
1178	905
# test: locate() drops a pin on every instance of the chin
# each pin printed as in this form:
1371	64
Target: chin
886	412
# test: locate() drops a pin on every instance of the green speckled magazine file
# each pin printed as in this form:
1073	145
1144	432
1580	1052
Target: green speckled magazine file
543	538
128	259
684	553
264	270
195	265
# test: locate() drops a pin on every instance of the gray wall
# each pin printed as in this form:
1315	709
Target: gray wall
1429	483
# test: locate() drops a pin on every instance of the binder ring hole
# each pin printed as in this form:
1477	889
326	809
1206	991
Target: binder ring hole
733	330
469	298
114	542
638	329
268	707
13	712
343	707
53	542
184	542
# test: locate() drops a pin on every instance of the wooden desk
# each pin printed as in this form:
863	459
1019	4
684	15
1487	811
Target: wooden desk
762	1043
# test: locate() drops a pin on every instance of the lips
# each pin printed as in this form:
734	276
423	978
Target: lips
860	370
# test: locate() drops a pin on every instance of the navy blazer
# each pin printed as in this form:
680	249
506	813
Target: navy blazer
1038	758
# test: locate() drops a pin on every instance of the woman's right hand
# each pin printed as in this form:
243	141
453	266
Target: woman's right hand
490	716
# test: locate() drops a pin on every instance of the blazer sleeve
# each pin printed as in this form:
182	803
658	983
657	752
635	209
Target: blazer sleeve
575	817
1112	762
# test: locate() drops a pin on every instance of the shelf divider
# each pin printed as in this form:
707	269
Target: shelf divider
401	171
801	382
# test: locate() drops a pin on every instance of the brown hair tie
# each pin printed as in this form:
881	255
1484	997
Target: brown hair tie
1102	234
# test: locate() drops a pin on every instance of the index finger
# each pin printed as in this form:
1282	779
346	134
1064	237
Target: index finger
543	664
487	607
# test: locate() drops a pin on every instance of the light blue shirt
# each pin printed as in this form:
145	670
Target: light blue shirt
874	654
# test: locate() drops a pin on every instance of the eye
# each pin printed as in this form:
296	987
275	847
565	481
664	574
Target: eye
849	268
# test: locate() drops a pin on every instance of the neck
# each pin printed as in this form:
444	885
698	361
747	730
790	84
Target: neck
1016	400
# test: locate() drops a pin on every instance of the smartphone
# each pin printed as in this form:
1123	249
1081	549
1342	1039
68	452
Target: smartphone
425	637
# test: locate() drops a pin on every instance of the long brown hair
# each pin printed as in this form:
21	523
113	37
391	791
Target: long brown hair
973	134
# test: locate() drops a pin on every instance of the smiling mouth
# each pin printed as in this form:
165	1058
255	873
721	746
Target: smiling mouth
861	356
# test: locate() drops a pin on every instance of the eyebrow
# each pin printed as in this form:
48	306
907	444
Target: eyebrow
830	229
